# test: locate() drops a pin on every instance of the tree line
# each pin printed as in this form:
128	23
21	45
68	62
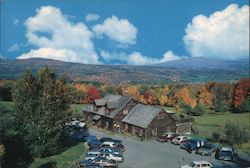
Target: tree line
194	99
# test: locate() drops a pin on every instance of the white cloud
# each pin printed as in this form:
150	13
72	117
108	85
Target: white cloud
224	34
64	37
14	47
91	17
170	56
51	53
16	21
119	30
136	58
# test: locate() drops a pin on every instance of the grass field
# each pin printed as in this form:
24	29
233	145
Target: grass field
63	160
209	123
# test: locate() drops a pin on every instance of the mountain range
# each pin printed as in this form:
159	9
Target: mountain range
186	70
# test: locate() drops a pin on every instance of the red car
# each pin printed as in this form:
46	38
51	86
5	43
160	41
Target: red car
166	137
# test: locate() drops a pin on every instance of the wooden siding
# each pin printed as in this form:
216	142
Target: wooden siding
162	124
120	116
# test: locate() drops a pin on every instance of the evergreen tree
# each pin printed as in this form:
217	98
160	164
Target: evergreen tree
42	107
221	99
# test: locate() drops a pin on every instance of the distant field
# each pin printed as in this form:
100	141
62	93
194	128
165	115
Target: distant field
76	108
63	160
207	124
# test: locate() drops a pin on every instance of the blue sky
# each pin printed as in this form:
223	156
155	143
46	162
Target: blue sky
124	31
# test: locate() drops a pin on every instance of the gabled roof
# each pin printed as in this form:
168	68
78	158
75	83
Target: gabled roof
110	100
100	102
120	102
141	115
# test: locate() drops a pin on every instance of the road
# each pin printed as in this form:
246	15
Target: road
154	154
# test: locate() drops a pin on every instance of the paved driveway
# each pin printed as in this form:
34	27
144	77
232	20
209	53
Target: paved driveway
153	154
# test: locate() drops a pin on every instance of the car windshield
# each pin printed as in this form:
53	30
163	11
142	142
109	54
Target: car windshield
208	146
226	153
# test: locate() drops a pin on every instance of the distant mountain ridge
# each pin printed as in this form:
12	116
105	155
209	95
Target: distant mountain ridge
193	70
205	63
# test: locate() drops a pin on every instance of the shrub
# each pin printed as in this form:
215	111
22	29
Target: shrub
235	135
215	136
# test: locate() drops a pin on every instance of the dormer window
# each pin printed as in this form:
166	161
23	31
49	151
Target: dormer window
125	111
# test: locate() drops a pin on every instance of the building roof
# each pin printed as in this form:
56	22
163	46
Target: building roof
121	103
141	115
179	117
100	102
115	102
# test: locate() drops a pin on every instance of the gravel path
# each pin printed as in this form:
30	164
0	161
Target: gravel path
154	154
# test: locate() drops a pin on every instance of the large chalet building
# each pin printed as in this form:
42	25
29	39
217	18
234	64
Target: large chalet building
125	114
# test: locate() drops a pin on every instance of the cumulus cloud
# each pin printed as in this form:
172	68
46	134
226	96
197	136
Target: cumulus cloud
136	58
224	34
91	17
14	47
51	53
120	30
58	38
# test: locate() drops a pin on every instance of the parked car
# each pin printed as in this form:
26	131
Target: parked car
90	156
102	150
117	157
226	153
113	145
105	162
90	138
207	149
108	139
192	144
71	123
93	142
78	135
198	164
166	137
88	164
179	139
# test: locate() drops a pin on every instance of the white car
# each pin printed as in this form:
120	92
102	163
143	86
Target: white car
179	139
109	156
198	164
80	124
90	156
103	150
72	123
110	144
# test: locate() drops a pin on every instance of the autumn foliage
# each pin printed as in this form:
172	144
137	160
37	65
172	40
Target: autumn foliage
92	94
241	92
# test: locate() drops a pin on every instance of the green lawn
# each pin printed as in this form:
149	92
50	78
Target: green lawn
209	123
77	108
64	160
7	104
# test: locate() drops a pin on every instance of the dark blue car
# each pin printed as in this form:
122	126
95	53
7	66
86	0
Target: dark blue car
193	144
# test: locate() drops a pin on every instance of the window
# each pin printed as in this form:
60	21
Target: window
161	116
125	111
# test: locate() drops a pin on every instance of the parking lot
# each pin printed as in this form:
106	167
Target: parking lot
154	154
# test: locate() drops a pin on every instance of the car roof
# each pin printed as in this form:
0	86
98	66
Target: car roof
107	142
226	149
200	162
